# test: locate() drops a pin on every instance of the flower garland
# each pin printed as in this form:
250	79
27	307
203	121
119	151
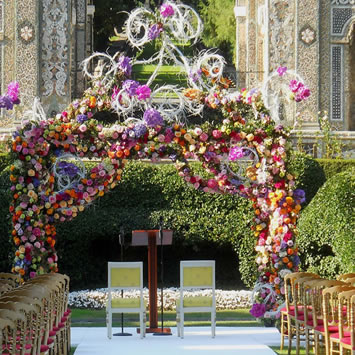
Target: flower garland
245	153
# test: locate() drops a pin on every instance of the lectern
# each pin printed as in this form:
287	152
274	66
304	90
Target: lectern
150	238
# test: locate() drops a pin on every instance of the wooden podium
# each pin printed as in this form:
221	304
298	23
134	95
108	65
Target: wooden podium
150	238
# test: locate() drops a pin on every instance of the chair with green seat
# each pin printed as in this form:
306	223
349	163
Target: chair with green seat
125	276
195	275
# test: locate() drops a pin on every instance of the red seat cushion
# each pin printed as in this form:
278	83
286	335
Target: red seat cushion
332	328
347	341
50	341
52	333
44	348
336	335
319	322
301	317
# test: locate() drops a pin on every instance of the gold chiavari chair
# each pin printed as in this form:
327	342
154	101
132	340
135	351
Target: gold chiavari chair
288	313
331	316
318	327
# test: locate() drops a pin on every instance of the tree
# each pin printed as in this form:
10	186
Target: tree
219	25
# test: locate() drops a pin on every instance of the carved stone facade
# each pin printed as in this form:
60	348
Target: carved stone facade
315	38
42	43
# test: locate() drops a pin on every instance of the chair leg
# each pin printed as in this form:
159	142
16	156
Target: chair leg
144	323
289	332
109	324
141	325
182	325
213	323
178	321
282	331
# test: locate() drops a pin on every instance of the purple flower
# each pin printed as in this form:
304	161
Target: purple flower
153	118
195	75
81	118
281	70
12	91
296	260
124	63
130	86
143	92
235	153
299	195
154	31
140	130
166	10
68	169
6	102
258	310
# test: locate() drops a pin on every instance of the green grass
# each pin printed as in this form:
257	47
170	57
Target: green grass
230	318
72	350
285	352
167	74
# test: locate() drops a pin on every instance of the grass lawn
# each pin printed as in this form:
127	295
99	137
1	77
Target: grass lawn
285	352
230	318
167	74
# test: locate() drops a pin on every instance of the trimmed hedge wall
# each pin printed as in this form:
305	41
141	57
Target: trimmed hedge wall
205	226
335	166
326	227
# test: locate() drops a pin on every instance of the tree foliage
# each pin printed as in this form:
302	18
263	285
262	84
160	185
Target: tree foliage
219	25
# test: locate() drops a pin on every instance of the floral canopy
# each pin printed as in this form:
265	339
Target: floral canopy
244	153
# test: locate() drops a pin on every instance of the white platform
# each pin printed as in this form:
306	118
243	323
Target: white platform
197	341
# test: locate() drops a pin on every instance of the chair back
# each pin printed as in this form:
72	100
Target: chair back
347	313
197	274
350	281
125	275
343	277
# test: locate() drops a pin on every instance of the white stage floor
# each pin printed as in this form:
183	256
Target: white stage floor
197	340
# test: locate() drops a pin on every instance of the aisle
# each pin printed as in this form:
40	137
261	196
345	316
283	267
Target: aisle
228	340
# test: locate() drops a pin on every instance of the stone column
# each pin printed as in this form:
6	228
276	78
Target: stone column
307	65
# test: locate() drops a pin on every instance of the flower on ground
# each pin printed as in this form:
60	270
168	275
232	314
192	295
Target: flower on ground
258	310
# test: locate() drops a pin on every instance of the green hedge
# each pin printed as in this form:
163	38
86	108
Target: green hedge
335	166
309	173
204	225
326	227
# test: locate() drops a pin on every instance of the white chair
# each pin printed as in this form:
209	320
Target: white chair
194	275
125	276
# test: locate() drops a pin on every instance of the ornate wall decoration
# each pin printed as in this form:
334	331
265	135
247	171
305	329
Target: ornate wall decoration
343	2
54	46
307	35
337	83
1	16
26	32
281	38
340	16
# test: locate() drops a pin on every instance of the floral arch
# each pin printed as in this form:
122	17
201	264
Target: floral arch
244	153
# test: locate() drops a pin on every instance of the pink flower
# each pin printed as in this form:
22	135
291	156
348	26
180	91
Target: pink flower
204	137
166	10
82	128
281	70
143	92
235	153
258	310
32	274
216	133
12	91
212	183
